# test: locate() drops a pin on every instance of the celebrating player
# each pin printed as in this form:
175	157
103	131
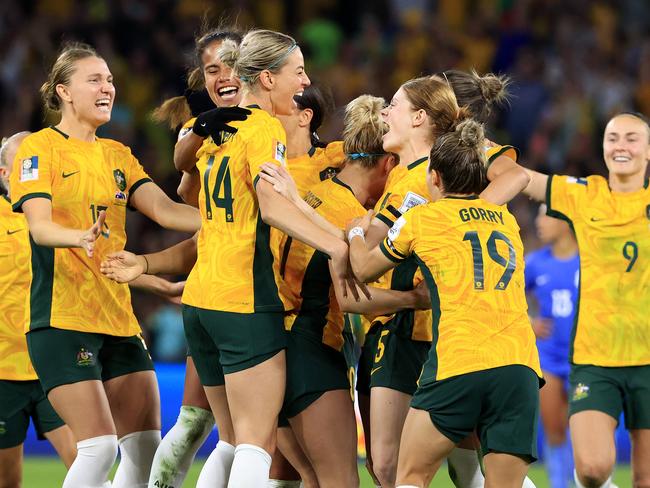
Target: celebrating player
483	370
83	338
610	341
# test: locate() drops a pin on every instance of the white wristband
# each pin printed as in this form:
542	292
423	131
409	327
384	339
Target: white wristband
356	231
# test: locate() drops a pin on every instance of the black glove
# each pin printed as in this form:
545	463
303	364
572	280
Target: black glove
214	121
199	101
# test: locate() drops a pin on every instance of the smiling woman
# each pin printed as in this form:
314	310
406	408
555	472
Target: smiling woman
65	179
610	341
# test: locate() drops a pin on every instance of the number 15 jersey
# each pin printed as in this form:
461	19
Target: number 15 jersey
234	266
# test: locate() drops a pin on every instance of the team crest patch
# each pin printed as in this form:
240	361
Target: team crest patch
120	179
280	152
412	200
29	169
581	392
85	358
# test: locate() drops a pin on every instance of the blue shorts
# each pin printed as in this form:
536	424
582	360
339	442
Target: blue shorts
554	359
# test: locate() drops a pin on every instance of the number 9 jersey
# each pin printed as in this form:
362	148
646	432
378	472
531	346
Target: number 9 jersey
471	256
234	266
612	325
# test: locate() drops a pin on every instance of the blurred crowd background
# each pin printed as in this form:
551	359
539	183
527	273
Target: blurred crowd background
573	64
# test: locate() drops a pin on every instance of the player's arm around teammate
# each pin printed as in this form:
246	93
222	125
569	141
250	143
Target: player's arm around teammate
610	218
433	427
67	178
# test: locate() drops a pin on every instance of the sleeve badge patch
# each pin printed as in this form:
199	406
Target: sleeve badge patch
29	169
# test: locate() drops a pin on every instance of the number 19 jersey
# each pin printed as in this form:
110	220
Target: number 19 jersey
471	256
234	269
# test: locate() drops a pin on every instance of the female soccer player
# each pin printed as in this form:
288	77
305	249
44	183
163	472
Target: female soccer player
319	354
83	338
232	311
420	111
22	395
482	371
195	420
610	341
552	275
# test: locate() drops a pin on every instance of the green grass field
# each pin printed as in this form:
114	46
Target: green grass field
48	472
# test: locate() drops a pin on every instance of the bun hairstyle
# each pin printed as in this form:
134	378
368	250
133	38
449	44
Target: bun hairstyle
176	111
363	131
437	99
62	70
478	93
459	158
321	104
259	50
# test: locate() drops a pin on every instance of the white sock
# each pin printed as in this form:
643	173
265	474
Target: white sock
607	484
250	468
464	468
284	484
216	469
95	458
136	453
528	483
176	451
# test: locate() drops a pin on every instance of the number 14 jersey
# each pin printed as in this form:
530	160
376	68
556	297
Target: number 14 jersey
234	266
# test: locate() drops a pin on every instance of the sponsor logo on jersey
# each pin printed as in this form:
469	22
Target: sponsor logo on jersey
3	427
581	392
29	169
120	179
412	200
312	200
85	358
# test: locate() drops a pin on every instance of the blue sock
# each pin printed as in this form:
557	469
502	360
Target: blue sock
555	465
568	459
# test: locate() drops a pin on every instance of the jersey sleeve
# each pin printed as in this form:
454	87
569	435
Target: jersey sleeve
186	128
268	145
396	203
398	244
565	196
493	152
137	175
32	173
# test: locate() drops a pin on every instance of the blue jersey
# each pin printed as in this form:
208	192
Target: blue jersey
554	283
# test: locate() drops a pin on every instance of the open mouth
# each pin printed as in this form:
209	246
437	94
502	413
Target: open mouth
621	159
104	104
228	93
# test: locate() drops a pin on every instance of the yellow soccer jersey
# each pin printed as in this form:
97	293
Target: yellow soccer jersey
81	179
472	258
307	284
16	265
234	266
319	164
405	188
612	325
